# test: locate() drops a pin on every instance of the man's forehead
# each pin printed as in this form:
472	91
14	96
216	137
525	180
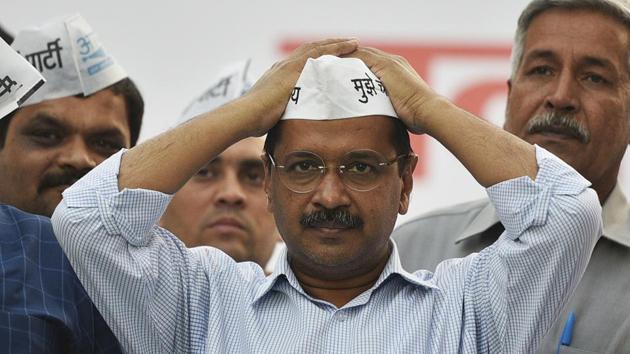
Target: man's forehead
586	33
102	110
337	136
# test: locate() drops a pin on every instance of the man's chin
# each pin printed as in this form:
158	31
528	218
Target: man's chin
329	246
48	200
235	252
54	193
229	244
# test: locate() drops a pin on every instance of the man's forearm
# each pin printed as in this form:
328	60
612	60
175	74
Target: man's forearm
551	226
490	154
167	161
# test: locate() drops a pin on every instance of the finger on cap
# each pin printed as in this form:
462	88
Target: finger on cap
338	48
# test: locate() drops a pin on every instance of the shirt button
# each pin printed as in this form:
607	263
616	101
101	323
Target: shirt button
341	316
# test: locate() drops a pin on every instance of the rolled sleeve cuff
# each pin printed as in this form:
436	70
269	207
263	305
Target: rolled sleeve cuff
131	213
522	203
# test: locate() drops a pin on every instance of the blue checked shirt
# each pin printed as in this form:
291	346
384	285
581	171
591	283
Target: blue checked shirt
44	308
161	297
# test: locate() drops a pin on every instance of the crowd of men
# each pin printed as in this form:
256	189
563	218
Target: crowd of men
165	247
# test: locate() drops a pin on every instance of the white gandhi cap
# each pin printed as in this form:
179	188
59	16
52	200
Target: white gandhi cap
330	88
231	83
70	56
18	80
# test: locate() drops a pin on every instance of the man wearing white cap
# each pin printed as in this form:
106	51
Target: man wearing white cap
87	111
224	204
336	181
44	308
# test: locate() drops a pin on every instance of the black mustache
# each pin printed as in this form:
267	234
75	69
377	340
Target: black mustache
555	122
64	177
332	218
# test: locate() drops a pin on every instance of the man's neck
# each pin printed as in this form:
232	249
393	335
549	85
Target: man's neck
340	291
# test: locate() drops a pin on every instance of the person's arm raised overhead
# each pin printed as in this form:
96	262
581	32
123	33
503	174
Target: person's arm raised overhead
144	281
182	151
515	288
490	154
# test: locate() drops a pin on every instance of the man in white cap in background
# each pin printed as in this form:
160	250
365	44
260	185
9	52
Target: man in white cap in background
570	93
88	110
339	171
43	307
224	204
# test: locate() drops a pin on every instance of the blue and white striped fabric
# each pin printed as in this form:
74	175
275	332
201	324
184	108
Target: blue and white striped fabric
160	297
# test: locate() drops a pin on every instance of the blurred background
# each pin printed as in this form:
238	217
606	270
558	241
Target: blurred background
173	49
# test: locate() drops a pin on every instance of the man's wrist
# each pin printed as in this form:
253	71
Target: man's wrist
258	112
427	112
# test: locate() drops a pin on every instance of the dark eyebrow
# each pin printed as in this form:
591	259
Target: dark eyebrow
43	118
214	161
108	132
47	120
251	163
359	154
587	60
598	62
541	54
302	153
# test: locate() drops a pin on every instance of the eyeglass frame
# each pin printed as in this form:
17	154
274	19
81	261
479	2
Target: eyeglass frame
340	168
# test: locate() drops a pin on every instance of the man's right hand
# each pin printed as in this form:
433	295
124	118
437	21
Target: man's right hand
490	154
409	93
270	94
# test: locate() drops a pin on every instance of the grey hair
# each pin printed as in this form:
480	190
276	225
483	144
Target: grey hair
617	9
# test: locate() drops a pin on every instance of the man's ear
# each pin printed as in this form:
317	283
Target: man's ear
509	86
267	181
407	179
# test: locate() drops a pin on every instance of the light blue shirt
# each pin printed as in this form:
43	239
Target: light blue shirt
161	297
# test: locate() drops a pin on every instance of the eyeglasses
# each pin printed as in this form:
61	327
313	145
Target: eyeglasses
359	170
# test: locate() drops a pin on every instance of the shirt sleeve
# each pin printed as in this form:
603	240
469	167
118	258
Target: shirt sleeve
517	287
138	275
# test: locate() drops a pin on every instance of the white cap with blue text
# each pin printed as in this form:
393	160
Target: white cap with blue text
231	83
18	79
70	56
330	88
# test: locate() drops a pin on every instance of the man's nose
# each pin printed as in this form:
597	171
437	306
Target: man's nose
77	155
563	94
230	192
331	193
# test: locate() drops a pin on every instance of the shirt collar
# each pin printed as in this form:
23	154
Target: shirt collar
486	217
615	215
283	271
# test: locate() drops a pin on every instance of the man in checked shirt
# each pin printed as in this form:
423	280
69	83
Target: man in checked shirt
338	172
76	120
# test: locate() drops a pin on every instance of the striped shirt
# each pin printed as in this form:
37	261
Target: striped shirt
161	297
